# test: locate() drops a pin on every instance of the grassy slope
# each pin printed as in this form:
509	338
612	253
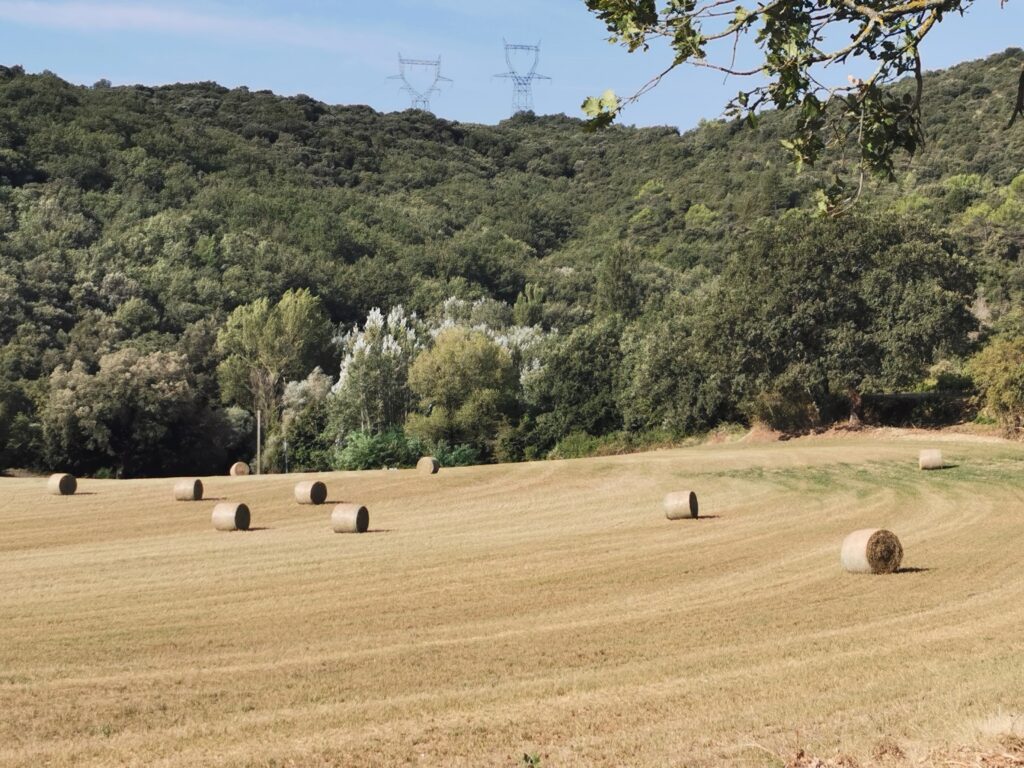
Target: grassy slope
543	607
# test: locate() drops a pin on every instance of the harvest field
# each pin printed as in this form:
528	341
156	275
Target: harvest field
542	613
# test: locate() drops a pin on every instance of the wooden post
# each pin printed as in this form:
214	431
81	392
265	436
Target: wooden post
259	444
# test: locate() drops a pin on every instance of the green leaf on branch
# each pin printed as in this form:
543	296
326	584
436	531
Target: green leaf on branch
601	110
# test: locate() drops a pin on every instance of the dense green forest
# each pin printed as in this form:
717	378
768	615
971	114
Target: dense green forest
174	259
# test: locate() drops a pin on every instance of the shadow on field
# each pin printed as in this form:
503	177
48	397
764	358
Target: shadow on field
913	570
253	530
380	530
707	517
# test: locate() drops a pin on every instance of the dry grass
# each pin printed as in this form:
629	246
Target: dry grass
539	608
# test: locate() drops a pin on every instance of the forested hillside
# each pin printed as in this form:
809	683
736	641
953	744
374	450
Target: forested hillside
173	259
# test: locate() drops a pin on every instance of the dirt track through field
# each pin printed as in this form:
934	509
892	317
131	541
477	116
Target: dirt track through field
544	608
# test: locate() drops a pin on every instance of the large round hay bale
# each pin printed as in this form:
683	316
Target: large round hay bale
239	469
930	458
680	504
231	516
872	550
350	518
188	490
310	492
62	485
428	465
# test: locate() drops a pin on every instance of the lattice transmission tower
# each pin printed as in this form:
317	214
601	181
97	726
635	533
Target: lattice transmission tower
420	96
522	84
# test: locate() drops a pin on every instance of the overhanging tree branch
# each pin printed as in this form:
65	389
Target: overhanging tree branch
789	36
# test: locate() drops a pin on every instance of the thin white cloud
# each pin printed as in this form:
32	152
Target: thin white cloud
102	17
539	9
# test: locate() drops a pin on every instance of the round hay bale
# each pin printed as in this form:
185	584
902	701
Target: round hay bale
350	518
930	458
231	516
310	492
872	550
239	469
428	465
188	490
680	504
62	484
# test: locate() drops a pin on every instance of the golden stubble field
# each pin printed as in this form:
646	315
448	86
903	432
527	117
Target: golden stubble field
544	609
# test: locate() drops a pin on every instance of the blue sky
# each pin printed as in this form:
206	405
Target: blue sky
343	52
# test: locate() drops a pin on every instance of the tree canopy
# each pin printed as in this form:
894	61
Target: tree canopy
253	252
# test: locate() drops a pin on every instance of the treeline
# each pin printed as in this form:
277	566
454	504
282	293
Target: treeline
173	260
